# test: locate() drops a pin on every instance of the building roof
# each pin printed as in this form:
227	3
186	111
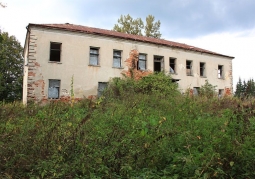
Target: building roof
115	34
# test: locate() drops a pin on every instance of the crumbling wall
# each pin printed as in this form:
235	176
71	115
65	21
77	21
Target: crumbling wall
36	84
131	63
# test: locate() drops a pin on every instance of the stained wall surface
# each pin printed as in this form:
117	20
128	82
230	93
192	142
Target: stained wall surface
74	63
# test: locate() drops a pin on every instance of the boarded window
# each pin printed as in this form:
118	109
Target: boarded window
93	58
55	51
101	88
116	58
141	62
220	71
202	69
172	62
53	92
189	68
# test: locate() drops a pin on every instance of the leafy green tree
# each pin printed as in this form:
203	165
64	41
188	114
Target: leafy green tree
127	24
11	68
152	28
207	90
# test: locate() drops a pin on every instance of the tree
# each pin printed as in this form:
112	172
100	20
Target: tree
239	88
152	28
11	68
127	24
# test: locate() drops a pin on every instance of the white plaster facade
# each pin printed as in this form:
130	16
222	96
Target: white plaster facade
75	62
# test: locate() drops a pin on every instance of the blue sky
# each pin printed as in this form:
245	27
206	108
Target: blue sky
223	26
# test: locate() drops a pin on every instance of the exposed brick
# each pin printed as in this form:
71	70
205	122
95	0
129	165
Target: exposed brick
131	63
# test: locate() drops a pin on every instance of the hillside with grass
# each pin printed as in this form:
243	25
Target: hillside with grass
136	129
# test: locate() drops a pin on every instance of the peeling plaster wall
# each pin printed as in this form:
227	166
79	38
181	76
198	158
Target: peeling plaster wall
75	62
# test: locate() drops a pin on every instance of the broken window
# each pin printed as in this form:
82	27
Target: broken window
158	63
94	56
202	69
55	51
221	93
189	68
172	62
116	58
196	91
141	62
53	92
101	88
220	71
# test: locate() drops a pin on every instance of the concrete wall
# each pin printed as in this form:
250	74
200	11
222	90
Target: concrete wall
75	62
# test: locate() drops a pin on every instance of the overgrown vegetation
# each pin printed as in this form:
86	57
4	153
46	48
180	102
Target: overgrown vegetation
137	129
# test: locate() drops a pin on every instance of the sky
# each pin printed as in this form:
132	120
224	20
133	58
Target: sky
222	26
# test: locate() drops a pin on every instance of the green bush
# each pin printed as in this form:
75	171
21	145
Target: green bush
137	129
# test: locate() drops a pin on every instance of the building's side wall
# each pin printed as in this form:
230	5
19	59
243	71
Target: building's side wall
75	62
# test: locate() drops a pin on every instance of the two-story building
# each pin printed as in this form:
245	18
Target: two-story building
58	54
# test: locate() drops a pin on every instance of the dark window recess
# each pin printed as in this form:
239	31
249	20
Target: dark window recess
141	62
221	93
55	51
53	92
202	69
220	71
158	64
93	58
116	58
172	65
101	87
189	68
196	91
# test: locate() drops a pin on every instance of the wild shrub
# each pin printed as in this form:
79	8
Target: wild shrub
137	129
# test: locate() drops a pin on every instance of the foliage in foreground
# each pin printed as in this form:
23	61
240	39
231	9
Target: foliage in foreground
139	129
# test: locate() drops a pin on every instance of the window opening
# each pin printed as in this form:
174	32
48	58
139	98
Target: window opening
158	64
202	69
196	91
53	92
172	65
189	68
116	58
221	93
141	62
220	71
94	54
55	51
101	87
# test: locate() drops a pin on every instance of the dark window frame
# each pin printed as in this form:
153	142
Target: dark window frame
55	53
196	91
101	87
118	57
202	67
172	65
220	72
92	54
54	87
189	71
142	60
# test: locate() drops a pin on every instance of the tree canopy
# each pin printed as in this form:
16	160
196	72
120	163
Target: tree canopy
11	68
127	24
245	89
